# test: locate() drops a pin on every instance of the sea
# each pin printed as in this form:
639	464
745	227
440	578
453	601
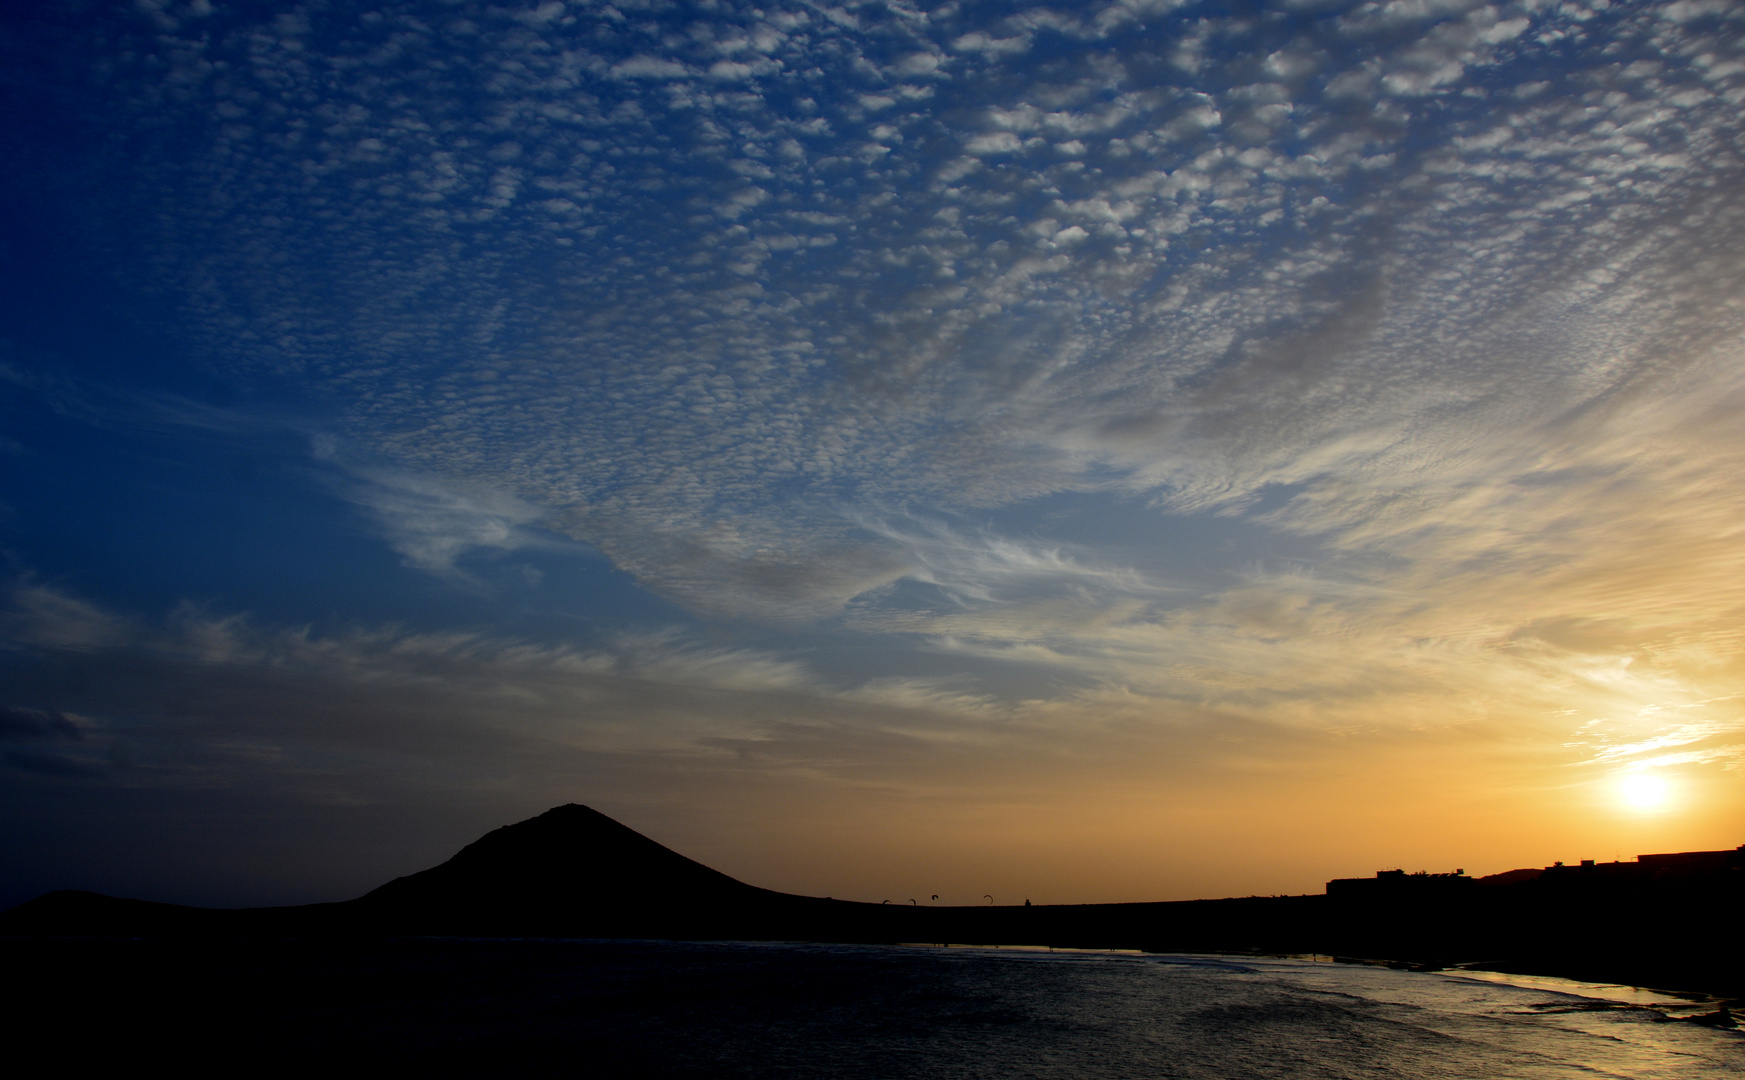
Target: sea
688	1009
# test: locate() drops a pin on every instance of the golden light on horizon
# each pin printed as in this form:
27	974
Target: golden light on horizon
1645	791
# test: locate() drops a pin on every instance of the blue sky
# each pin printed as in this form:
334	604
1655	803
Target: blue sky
1109	451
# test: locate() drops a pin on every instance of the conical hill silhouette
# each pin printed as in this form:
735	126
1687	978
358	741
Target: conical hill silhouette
569	871
574	873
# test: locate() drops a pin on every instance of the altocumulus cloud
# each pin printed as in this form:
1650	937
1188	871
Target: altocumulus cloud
861	319
1178	257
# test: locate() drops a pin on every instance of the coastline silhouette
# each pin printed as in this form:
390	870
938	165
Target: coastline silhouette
1666	920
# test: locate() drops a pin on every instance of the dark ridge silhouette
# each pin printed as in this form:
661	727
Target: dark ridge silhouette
570	871
1664	920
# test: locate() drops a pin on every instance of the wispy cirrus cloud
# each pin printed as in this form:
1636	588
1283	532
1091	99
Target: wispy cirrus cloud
432	522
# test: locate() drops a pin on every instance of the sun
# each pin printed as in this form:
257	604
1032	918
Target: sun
1644	790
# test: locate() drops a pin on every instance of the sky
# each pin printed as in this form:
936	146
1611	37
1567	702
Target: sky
1094	452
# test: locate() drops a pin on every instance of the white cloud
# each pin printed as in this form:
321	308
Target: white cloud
42	614
1428	335
432	521
653	67
995	142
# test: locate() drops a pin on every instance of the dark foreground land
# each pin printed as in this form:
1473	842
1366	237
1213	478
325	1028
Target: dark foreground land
673	1009
1670	922
448	1007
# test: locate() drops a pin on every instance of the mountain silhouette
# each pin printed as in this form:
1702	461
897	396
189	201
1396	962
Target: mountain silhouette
573	872
570	871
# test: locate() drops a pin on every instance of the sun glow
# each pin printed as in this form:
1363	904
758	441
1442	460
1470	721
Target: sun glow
1644	791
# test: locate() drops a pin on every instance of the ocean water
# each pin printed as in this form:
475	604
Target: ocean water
673	1009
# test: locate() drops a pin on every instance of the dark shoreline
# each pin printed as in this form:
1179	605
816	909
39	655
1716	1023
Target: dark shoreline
701	1010
1254	926
1668	922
